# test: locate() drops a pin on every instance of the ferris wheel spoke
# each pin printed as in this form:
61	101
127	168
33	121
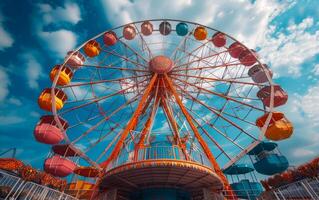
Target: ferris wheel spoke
103	81
221	111
219	95
181	43
172	122
132	123
205	67
219	79
148	126
211	138
171	119
202	59
199	59
120	92
126	59
82	155
106	118
133	50
111	130
219	114
86	121
107	148
115	68
143	41
216	129
193	51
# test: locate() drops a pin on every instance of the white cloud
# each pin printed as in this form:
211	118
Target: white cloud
69	13
248	22
14	101
245	21
309	105
59	42
35	114
62	40
315	70
33	70
4	84
9	120
287	52
301	153
302	111
6	39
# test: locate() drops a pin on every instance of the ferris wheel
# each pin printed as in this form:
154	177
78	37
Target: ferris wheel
158	88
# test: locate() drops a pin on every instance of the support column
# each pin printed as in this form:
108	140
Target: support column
200	139
131	124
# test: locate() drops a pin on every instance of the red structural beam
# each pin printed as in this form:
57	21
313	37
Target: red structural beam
132	123
148	124
199	138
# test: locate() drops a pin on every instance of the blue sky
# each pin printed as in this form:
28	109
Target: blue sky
35	35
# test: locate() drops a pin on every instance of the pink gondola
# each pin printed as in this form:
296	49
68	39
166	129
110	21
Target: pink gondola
47	131
59	166
74	59
129	32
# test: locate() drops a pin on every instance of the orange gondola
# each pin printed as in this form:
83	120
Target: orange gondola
279	127
200	33
80	189
92	48
87	171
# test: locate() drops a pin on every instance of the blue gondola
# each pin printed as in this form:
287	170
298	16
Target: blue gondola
238	169
244	189
267	159
182	29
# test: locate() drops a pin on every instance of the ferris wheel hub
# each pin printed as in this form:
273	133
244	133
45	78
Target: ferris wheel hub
161	64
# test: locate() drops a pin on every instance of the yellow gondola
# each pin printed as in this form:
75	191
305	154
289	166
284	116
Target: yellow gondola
65	75
45	100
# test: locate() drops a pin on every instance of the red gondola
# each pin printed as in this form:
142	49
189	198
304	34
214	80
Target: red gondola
280	96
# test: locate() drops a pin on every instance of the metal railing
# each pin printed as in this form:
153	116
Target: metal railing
304	189
248	194
13	187
158	153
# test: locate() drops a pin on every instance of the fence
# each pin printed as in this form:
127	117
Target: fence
13	187
304	189
160	152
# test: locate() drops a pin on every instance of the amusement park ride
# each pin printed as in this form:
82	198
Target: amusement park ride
162	109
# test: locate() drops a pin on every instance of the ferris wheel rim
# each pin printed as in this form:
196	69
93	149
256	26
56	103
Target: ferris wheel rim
54	83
